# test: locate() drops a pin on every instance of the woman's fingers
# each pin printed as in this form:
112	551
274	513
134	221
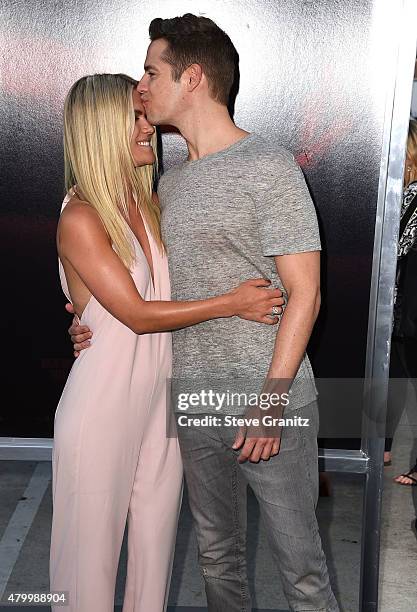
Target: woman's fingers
261	306
273	304
269	320
276	294
258	282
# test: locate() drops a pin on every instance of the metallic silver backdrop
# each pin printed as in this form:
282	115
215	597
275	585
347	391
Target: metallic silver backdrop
312	78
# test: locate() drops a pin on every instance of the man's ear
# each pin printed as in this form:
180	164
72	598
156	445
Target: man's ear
192	76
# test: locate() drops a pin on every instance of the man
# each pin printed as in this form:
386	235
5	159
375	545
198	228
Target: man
238	207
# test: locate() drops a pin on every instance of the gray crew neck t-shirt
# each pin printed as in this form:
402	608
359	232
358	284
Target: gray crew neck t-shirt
224	217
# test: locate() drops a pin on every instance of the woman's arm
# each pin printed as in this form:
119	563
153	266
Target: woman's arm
83	242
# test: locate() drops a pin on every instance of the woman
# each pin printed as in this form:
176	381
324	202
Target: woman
403	364
112	456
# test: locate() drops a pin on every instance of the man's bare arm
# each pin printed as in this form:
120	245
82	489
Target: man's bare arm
300	275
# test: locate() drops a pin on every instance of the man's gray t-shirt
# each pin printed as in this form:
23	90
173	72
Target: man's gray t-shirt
224	217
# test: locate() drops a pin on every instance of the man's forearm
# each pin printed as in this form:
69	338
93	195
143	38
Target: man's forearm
293	334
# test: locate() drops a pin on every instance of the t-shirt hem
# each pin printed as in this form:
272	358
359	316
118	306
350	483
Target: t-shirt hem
276	251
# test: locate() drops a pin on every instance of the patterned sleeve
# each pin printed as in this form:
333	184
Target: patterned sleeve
408	238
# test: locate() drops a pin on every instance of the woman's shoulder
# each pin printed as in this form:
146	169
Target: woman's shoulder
76	208
78	215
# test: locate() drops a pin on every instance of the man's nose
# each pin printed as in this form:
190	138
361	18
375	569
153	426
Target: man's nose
140	87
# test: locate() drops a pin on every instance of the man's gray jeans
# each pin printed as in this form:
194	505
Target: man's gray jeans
286	487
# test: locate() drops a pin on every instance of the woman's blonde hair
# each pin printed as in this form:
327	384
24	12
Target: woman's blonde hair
99	120
411	161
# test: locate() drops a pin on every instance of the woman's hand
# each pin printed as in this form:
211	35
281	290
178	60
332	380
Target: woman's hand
253	300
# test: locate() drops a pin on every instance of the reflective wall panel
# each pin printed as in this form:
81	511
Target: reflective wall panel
311	78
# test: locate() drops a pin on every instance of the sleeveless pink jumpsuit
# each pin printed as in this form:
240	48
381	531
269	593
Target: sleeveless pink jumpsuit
112	460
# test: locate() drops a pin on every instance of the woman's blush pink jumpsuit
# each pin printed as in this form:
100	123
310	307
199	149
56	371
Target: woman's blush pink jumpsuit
113	460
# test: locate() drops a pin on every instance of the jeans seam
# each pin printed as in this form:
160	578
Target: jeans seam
243	594
322	562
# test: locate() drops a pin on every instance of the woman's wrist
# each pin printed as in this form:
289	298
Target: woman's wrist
226	305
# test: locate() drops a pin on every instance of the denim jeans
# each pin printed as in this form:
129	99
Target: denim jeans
286	487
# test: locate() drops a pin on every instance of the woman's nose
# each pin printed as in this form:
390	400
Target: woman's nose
148	128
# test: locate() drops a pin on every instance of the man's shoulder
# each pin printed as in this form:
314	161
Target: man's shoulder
262	151
266	160
270	147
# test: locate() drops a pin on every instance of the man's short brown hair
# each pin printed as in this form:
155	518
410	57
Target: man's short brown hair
198	40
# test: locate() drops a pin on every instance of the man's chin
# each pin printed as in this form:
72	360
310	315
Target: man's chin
152	118
163	122
156	119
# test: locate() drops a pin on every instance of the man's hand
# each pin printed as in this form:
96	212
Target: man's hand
80	334
258	441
